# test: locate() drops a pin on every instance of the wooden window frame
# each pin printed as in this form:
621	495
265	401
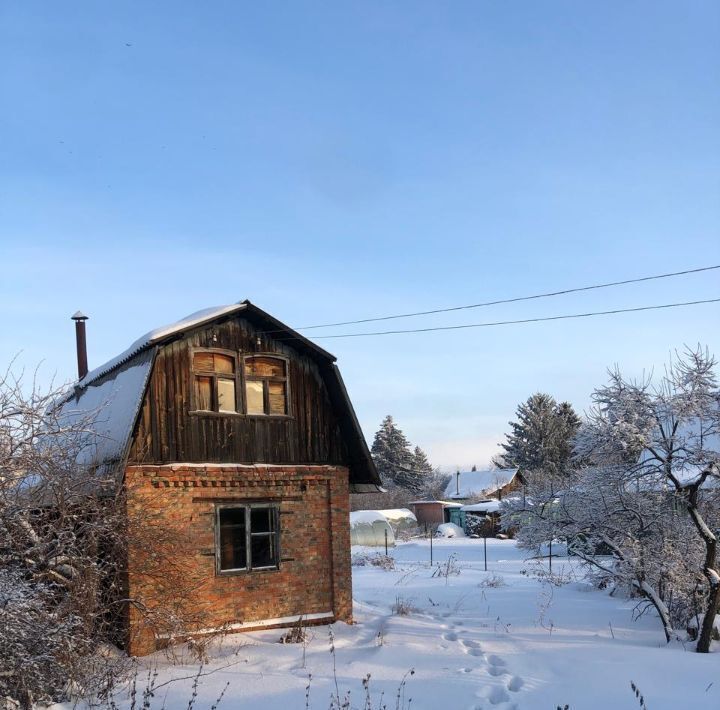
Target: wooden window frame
236	378
274	532
266	403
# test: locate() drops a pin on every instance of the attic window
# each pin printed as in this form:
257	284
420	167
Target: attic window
215	382
247	537
266	385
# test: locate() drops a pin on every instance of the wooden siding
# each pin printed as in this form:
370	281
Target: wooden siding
166	431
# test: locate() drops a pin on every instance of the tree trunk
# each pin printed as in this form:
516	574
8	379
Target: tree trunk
705	637
660	607
710	567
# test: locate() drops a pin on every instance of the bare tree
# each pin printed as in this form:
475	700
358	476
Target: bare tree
65	530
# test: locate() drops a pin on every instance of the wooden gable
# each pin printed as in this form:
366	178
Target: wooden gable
172	427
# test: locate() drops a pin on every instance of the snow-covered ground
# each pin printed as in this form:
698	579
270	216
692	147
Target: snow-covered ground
496	639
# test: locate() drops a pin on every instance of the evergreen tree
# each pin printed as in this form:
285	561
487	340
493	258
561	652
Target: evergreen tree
391	452
397	465
541	439
421	464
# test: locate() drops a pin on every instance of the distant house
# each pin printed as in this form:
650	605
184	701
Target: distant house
492	483
239	431
433	512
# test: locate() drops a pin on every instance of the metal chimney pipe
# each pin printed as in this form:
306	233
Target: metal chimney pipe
81	344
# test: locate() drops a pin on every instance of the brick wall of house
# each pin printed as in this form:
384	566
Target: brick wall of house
171	556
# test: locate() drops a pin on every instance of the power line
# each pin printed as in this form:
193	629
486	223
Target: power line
513	300
517	322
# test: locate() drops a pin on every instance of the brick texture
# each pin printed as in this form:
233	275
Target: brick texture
172	576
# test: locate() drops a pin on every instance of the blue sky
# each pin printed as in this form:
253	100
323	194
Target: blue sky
333	161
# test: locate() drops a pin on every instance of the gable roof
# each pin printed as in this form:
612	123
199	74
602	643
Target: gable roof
110	396
109	407
472	484
165	333
484	506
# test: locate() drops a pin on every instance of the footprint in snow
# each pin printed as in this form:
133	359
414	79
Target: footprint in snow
450	636
469	643
515	683
494	660
495	695
496	670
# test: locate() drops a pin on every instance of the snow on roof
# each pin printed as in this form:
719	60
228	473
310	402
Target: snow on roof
486	506
471	484
444	503
395	514
157	334
367	517
109	409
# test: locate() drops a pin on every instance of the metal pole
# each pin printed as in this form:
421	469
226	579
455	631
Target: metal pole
485	550
550	556
81	344
386	542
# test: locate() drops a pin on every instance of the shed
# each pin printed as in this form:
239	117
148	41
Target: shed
481	518
433	512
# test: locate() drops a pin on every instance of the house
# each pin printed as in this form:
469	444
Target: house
433	512
493	483
237	432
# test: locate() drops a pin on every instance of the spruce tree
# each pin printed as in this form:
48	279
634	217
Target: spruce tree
541	439
397	465
391	452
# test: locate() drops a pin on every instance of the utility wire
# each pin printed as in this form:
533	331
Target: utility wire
517	322
512	300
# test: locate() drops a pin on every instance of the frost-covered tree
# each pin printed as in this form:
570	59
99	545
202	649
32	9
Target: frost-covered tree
399	465
420	462
63	554
541	438
391	452
644	509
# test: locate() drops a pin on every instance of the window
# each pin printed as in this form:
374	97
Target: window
247	537
215	382
266	385
258	387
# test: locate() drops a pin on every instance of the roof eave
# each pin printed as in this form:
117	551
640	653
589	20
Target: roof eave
280	326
